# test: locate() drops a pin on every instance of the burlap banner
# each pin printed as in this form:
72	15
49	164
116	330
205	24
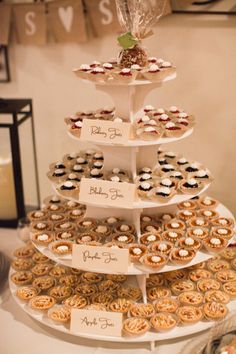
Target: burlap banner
30	23
102	16
66	21
5	17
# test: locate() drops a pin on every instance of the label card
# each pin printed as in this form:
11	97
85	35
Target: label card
107	193
103	131
96	322
100	258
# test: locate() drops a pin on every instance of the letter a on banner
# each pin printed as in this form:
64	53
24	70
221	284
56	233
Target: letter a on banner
30	23
66	21
102	16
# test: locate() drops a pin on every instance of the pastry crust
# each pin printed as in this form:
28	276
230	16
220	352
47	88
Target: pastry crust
168	304
154	260
190	298
215	310
142	310
216	264
198	274
182	256
27	292
122	305
41	269
215	243
61	247
208	284
216	296
179	286
158	292
42	302
136	326
44	283
136	251
76	301
130	292
189	314
162	322
150	237
86	290
226	275
22	264
60	314
154	280
230	289
60	292
23	277
91	278
24	252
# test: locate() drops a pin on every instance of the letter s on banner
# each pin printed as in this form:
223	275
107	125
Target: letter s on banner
106	12
31	29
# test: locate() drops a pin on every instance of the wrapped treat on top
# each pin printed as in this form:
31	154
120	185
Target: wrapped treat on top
136	18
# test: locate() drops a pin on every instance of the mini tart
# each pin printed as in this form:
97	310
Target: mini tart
122	305
123	238
102	298
162	194
190	186
163	247
222	221
40	258
207	202
214	310
165	217
215	243
102	230
91	278
200	265
24	252
198	274
40	226
147	219
60	292
154	260
162	322
130	292
189	243
177	274
136	251
125	75
149	132
111	221
222	231
198	221
22	264
217	264
168	304
185	214
54	208
150	237
58	271
56	217
57	175
65	235
96	307
175	224
154	280
86	224
60	314
53	200
22	277
124	227
182	256
179	286
198	232
69	280
158	292
76	214
209	214
42	302
44	283
135	326
188	205
41	269
142	310
64	226
230	289
61	247
189	314
151	227
27	292
69	189
42	238
216	296
120	278
165	169
86	290
71	205
202	175
144	189
172	235
190	298
226	275
172	129
86	238
228	253
76	301
208	284
37	215
109	286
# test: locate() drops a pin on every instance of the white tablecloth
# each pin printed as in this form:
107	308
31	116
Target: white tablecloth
20	334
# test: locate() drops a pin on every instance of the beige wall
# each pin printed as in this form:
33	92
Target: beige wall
203	49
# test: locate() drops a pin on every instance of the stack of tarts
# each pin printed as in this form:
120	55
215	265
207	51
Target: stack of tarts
178	298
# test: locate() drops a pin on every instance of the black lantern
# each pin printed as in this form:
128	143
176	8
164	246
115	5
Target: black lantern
19	185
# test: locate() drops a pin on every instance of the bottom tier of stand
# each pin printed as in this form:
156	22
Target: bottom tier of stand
177	332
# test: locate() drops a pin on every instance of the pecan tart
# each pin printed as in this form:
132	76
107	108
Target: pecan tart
230	289
154	260
41	269
136	326
27	292
109	286
216	264
158	292
215	310
182	255
86	290
130	292
60	292
44	283
42	302
61	247
190	298
154	280
208	284
136	251
179	286
69	280
22	264
120	278
120	305
91	278
142	310
216	296
150	237
24	252
38	257
162	322
60	314
168	304
22	277
226	275
198	274
215	243
76	301
42	238
189	314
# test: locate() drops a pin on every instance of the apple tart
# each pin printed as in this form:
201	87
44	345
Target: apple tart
120	278
168	304
22	264
216	296
130	292
109	286
162	322
69	280
230	289
136	326
60	292
120	304
142	310
58	271
27	292
44	283
24	252
86	289
60	314
189	314
40	258
190	298
208	284
76	301
102	298
228	254
226	275
215	310
216	264
42	302
91	278
158	292
22	277
154	280
179	286
198	274
41	269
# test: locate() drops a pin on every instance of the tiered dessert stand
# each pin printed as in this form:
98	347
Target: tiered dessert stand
128	100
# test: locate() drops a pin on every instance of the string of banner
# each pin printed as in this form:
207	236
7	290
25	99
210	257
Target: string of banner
64	20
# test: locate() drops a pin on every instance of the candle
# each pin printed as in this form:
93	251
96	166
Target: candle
7	190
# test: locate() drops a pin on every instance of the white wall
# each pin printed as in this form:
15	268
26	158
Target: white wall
203	49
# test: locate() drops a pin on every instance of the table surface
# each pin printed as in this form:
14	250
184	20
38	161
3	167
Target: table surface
23	335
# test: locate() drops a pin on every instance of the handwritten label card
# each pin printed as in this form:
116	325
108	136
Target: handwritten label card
101	131
108	193
96	322
100	258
